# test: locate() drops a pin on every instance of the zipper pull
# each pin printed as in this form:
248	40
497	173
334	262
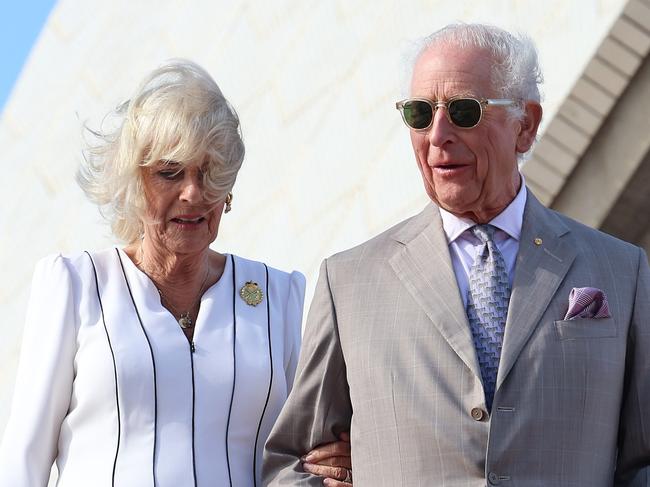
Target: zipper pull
192	347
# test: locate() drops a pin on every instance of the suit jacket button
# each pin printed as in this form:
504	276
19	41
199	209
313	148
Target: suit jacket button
493	478
478	414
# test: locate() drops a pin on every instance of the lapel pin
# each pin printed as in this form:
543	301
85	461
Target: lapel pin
251	293
538	241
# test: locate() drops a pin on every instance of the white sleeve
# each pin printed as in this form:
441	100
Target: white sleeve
295	304
44	380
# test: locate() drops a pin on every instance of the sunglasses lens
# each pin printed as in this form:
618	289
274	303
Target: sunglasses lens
417	114
464	112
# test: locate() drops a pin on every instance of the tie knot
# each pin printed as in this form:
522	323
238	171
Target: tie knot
485	233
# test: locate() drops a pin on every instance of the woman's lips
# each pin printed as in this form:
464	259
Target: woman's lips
188	220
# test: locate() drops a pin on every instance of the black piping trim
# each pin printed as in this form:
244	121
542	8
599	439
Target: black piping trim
268	393
191	344
110	346
153	363
234	363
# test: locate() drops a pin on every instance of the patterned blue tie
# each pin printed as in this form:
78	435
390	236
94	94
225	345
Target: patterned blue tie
487	306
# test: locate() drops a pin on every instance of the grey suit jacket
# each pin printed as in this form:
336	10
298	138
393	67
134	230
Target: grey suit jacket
388	354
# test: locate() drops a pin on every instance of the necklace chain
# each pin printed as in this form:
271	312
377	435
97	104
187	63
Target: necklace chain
184	318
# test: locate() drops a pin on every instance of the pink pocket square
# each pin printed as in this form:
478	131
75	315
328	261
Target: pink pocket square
587	302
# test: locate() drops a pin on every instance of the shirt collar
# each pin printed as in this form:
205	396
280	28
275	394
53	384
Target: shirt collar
509	220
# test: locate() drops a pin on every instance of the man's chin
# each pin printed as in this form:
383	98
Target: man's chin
454	204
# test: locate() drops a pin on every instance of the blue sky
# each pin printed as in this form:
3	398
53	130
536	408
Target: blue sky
20	23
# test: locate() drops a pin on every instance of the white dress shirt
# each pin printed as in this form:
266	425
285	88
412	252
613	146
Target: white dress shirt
463	246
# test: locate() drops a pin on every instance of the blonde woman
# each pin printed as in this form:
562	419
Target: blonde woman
161	363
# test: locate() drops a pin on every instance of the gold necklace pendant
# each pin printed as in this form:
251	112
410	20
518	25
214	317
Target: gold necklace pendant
251	293
185	320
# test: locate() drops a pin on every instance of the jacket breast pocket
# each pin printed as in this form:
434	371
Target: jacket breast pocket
582	328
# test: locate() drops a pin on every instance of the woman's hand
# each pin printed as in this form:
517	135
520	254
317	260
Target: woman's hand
332	461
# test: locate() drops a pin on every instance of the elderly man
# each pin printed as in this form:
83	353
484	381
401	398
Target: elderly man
487	340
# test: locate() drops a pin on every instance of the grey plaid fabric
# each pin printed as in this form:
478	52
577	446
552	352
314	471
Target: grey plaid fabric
388	338
487	306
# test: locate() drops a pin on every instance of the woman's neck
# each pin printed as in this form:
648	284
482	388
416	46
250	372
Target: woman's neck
181	279
170	268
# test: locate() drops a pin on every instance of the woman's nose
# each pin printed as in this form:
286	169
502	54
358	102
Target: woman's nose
192	190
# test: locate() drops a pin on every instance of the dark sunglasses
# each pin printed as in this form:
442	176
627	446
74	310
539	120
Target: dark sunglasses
462	112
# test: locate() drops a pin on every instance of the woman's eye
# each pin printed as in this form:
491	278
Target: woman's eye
170	175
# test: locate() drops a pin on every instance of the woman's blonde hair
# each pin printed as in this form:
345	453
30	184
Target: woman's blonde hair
179	114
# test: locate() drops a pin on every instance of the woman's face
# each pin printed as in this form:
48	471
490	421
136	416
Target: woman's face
179	219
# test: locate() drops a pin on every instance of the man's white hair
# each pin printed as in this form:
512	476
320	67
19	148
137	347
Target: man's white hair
516	72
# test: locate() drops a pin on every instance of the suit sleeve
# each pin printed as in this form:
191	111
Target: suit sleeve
318	408
44	380
633	462
295	305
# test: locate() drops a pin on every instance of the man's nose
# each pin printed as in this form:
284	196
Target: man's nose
441	130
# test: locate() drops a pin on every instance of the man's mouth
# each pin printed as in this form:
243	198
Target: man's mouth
449	166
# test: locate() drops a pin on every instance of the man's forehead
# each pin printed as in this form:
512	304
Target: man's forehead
446	68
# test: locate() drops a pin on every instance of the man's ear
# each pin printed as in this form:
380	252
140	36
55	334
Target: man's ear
529	126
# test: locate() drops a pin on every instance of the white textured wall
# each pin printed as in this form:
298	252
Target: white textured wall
328	161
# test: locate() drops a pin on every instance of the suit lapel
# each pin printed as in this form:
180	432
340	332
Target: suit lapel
424	267
539	270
